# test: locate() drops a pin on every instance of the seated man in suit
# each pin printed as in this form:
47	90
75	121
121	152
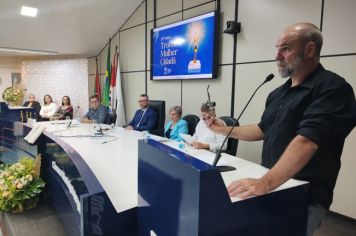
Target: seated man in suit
97	111
145	118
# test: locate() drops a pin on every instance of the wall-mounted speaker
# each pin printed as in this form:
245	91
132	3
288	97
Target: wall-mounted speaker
232	27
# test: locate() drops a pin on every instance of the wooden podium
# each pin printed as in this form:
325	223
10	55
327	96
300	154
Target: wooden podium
181	195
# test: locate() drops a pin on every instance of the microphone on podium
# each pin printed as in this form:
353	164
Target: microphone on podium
218	153
75	112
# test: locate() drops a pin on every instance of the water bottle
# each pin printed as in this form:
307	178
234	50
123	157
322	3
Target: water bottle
94	125
67	122
181	145
146	134
112	128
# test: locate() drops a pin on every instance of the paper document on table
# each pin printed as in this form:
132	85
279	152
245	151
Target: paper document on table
33	135
188	138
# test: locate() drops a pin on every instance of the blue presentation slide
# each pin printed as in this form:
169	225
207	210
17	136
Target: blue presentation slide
184	50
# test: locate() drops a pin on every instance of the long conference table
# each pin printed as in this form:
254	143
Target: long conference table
114	182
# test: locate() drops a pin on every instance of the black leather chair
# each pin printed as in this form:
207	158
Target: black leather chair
192	121
159	107
232	143
111	118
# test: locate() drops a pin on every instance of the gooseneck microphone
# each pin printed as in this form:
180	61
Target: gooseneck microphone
75	112
100	130
209	103
218	154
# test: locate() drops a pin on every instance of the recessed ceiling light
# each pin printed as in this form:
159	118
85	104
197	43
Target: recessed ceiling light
29	11
20	50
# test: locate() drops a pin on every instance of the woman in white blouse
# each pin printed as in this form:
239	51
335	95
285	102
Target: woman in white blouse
48	109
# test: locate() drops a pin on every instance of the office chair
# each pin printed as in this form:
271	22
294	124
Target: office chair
192	121
111	118
159	107
232	143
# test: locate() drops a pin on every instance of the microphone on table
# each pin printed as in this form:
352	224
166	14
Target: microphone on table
100	130
218	154
75	112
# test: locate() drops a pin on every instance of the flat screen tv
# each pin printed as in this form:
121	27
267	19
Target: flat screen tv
186	49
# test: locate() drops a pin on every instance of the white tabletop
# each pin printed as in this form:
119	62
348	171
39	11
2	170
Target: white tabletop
115	163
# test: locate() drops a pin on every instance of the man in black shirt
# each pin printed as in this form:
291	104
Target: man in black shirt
304	125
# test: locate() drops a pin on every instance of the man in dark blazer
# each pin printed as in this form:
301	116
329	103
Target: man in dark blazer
145	118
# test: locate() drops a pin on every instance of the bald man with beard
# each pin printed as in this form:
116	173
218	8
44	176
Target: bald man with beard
304	125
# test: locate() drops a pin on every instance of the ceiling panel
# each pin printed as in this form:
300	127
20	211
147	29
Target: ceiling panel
79	27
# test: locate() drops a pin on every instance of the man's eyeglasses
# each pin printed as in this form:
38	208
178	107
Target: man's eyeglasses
141	101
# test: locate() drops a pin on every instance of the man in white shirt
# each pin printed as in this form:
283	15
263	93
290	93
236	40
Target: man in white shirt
203	137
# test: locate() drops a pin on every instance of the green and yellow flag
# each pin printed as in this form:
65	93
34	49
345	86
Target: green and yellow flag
106	98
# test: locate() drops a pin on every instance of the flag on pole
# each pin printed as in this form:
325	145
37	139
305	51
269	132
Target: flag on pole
113	81
106	91
97	89
119	102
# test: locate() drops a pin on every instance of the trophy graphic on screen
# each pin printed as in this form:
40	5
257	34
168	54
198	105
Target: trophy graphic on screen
195	34
194	65
195	48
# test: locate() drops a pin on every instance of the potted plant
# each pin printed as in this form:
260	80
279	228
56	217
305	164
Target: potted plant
13	96
20	185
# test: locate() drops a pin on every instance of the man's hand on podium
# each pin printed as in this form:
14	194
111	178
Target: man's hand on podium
245	188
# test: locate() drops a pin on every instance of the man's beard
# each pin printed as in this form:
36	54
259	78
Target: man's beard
286	71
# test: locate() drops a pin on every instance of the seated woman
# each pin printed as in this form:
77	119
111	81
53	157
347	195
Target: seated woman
66	110
203	137
48	109
33	103
177	125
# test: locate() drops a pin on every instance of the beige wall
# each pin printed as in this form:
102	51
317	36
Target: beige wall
262	21
8	65
345	192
